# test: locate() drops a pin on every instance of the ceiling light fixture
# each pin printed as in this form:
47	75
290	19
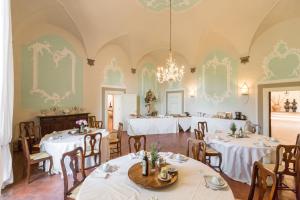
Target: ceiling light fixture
171	72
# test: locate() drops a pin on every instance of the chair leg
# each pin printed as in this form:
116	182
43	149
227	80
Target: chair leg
50	167
28	173
220	162
44	163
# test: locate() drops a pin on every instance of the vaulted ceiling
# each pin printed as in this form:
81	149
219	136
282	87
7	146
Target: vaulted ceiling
141	26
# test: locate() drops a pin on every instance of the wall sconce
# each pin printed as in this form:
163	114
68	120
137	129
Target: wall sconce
244	59
192	93
90	62
133	70
244	89
193	69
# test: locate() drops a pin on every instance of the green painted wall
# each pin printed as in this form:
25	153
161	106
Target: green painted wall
57	77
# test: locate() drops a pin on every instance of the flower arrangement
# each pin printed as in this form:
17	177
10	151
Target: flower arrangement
81	122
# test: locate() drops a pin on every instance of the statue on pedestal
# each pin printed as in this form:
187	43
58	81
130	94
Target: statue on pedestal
150	99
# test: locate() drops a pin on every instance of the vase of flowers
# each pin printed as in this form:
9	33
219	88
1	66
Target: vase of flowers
81	123
233	128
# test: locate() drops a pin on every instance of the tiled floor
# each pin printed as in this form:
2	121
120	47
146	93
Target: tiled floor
51	187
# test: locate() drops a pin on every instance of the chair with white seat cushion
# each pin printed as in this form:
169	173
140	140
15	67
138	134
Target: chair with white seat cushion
33	159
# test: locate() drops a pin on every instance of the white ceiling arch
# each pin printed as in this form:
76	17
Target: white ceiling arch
140	30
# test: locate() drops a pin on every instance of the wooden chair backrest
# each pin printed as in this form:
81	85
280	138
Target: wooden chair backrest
199	135
298	175
120	131
74	157
297	141
92	144
261	174
25	148
26	128
91	120
203	126
137	142
97	124
285	155
197	148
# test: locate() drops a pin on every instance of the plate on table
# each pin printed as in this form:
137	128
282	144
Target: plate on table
215	182
172	169
164	179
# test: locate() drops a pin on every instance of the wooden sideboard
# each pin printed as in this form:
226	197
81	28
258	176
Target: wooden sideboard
60	122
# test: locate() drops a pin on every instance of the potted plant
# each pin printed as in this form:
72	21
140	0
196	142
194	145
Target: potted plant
154	156
233	128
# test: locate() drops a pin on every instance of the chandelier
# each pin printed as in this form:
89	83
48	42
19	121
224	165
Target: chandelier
171	72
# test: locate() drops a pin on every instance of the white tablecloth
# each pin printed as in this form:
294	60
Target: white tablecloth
217	125
185	122
150	126
240	154
189	186
57	143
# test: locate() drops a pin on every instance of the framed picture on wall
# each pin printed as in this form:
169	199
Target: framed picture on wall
174	102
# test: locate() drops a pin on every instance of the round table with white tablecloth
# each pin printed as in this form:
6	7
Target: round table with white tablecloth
117	186
239	154
57	143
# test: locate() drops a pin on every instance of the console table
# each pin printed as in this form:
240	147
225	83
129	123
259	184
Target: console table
50	123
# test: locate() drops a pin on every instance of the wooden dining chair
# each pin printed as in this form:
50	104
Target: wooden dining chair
298	174
137	142
91	120
210	152
33	159
259	177
98	124
197	148
284	164
92	147
115	141
73	159
32	133
199	135
202	125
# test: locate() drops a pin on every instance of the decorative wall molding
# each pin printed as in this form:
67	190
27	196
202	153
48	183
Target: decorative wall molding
215	64
148	72
281	51
178	5
38	49
113	75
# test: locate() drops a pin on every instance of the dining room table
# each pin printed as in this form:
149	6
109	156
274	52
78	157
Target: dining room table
60	142
116	185
240	153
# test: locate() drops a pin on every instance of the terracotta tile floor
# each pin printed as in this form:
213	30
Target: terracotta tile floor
51	187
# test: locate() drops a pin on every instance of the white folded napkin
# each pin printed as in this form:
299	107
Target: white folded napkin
132	156
99	173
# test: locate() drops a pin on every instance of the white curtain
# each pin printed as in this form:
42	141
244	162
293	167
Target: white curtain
6	93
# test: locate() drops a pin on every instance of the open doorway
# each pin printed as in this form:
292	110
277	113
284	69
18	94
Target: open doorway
285	115
112	107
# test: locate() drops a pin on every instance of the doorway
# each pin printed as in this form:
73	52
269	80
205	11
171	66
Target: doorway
285	115
112	107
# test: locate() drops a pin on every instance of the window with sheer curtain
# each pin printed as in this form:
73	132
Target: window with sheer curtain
6	93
